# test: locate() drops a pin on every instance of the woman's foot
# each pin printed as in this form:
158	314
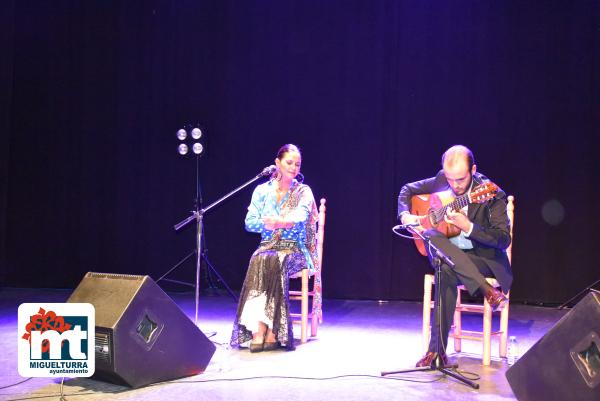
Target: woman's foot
271	342
257	344
270	336
258	338
257	347
271	345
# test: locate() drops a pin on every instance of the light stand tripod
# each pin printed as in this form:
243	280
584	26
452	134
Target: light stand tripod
198	215
437	364
212	269
580	294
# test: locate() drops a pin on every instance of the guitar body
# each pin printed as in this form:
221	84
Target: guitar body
424	205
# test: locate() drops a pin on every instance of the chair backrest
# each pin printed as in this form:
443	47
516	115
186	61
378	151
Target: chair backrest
321	232
510	210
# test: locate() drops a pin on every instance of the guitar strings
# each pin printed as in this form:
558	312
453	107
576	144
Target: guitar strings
460	202
456	204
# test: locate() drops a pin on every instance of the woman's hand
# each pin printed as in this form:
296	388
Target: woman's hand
275	222
270	222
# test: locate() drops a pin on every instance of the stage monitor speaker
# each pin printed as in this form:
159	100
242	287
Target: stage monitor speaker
565	363
142	336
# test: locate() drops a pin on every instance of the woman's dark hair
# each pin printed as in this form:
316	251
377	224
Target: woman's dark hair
287	148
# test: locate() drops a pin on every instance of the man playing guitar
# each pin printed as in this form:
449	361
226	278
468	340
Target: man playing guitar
479	235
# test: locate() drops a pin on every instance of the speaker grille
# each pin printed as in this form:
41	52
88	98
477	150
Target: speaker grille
103	349
115	276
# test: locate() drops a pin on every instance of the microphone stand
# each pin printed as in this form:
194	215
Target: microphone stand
198	215
437	364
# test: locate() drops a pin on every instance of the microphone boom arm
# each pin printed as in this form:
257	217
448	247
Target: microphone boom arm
196	215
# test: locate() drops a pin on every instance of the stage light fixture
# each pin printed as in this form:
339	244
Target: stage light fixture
196	133
197	148
191	140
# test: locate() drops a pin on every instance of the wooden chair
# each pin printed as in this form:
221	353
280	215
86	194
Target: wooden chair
316	311
458	333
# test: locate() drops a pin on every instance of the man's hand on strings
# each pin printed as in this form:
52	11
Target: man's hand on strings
458	219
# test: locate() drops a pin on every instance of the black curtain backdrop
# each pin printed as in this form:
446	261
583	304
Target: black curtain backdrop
92	93
6	73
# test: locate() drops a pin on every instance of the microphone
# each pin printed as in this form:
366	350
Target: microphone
268	171
405	226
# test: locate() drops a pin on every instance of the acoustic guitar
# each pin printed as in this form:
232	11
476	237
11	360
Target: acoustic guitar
432	209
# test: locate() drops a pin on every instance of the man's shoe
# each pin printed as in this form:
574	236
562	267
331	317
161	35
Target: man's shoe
429	357
495	298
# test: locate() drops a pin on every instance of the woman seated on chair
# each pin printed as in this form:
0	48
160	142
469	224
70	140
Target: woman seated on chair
284	212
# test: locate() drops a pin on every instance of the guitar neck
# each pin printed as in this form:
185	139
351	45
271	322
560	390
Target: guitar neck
459	202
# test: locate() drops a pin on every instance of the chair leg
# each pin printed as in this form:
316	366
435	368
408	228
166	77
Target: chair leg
487	333
504	330
426	331
316	312
457	325
304	306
